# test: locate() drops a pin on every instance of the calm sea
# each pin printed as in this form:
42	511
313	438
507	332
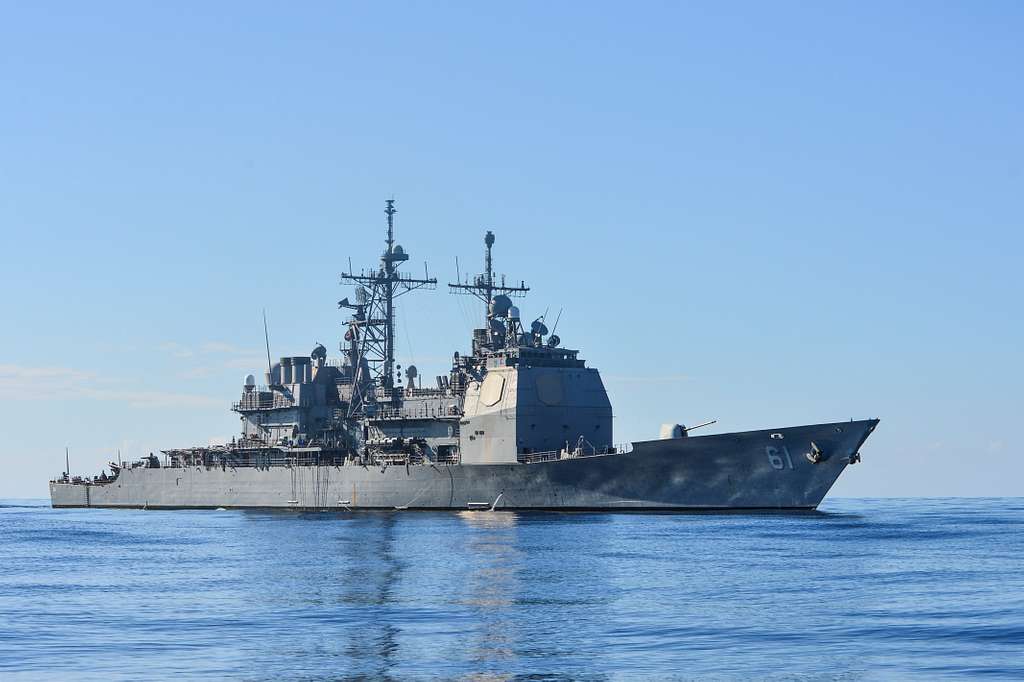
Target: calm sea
864	589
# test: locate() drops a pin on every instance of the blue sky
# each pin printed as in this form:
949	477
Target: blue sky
765	213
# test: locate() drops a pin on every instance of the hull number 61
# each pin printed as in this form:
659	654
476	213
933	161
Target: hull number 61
775	457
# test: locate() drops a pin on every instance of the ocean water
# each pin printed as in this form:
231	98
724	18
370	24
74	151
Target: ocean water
863	589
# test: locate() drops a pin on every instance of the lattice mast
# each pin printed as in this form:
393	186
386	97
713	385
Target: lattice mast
484	286
373	325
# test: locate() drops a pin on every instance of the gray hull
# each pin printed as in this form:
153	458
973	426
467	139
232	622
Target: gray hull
750	470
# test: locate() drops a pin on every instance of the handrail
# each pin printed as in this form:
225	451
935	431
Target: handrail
553	455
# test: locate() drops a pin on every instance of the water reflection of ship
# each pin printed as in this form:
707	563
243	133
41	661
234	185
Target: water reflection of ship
493	584
373	573
489	519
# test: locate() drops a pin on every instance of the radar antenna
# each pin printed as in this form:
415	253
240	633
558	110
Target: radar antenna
382	286
484	285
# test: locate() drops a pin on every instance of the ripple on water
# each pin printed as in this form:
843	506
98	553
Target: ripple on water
865	588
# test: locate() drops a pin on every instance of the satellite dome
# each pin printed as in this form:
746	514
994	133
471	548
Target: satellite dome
250	380
513	313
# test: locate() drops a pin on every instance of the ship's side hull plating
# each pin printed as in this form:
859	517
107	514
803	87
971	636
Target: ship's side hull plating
771	469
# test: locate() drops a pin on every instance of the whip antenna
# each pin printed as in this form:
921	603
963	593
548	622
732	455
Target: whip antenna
557	319
266	336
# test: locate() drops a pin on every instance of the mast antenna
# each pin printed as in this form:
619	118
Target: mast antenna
556	321
383	286
390	210
266	336
484	286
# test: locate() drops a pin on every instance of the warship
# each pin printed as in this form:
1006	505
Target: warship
520	422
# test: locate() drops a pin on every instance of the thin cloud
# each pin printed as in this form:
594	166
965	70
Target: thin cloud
220	356
180	350
23	377
152	398
198	372
56	383
222	347
249	362
176	349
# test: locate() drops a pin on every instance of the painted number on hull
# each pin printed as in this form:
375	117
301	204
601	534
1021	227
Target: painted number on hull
776	460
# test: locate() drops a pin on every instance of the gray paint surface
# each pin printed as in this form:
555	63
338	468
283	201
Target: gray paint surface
726	471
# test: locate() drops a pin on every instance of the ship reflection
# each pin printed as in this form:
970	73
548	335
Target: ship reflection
489	519
492	586
392	595
373	571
